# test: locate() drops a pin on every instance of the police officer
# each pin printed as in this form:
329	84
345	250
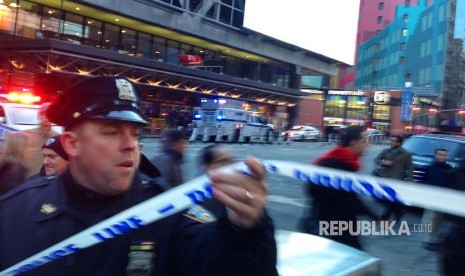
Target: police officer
101	138
55	157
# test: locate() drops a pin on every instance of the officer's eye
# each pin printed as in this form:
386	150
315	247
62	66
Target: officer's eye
110	132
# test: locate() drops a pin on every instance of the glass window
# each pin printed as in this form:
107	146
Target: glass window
93	33
128	42
407	3
335	106
381	112
404	32
403	45
144	46
51	23
7	18
379	20
225	14
172	52
186	49
357	108
159	48
27	18
401	60
111	35
405	18
380	6
238	18
440	45
73	28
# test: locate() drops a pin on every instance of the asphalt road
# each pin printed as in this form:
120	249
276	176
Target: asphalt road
287	202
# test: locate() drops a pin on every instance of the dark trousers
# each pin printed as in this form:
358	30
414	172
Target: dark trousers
392	209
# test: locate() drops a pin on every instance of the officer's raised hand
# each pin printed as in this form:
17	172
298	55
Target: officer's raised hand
243	195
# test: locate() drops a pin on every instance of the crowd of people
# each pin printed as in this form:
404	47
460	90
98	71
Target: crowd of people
53	186
447	235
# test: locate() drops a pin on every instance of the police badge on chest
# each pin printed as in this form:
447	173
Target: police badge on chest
141	257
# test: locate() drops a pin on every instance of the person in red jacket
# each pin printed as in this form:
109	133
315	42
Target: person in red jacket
335	205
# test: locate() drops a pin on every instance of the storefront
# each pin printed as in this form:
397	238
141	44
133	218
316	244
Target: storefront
370	109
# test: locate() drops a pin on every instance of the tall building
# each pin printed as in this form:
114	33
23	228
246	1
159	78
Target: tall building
418	53
177	52
373	17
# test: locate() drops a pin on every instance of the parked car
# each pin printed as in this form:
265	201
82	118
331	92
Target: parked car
422	148
302	133
374	135
332	131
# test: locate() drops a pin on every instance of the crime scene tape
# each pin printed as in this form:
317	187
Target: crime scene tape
199	190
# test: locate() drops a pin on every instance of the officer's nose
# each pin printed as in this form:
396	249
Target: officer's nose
130	140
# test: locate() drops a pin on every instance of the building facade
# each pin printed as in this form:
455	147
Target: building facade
177	51
418	53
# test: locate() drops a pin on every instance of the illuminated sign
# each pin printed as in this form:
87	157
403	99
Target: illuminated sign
382	97
346	93
312	91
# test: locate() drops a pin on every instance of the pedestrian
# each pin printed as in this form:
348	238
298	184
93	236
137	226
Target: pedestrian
396	163
55	158
439	173
37	137
213	157
451	234
169	161
329	204
102	130
13	162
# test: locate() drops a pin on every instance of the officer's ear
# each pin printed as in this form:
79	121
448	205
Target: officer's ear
69	143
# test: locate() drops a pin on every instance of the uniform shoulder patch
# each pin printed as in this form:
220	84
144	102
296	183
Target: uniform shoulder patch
199	214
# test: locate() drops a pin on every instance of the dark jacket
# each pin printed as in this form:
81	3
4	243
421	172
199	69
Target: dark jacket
44	213
402	167
335	205
452	234
169	165
438	174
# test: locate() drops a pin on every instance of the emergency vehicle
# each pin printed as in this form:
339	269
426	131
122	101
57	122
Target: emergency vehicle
214	122
17	112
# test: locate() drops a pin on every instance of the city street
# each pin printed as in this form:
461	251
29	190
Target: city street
287	202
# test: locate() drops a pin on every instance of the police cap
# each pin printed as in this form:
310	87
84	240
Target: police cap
109	98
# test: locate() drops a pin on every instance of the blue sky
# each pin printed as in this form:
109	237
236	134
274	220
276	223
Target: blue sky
327	27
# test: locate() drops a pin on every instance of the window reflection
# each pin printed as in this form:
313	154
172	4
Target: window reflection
35	21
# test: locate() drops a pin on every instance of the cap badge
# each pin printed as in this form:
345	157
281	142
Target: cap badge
49	141
48	208
76	115
125	90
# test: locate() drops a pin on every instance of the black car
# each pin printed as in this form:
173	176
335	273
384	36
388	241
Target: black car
422	148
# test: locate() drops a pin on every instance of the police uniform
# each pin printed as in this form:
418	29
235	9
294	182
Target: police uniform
44	212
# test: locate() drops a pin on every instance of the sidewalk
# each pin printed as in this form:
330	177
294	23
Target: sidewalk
403	254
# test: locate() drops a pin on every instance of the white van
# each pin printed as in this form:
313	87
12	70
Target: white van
14	117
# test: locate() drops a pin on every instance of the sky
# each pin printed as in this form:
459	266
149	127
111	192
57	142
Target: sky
327	27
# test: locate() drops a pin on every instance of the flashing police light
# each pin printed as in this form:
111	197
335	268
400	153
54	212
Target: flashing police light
220	117
23	98
197	116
